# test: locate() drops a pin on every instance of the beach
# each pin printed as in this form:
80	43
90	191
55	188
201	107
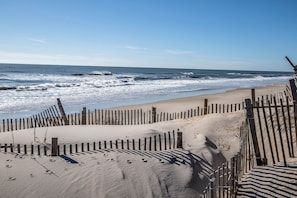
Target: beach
208	141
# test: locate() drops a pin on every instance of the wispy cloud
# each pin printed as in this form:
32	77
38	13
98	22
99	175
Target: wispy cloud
21	55
60	59
178	52
131	47
37	40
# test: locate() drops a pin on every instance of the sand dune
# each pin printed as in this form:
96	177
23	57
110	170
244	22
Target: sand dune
208	141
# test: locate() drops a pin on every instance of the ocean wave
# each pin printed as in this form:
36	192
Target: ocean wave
187	73
66	85
140	78
31	88
240	74
77	74
88	83
7	88
100	73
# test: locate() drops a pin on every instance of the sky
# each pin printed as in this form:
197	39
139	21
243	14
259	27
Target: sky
199	34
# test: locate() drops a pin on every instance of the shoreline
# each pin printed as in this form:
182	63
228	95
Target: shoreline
151	101
238	96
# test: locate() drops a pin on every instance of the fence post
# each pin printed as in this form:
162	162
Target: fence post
165	142
116	144
279	130
205	106
232	186
179	142
84	116
169	139
64	149
62	111
253	96
294	95
38	149
173	134
154	114
32	149
212	190
54	146
133	144
251	121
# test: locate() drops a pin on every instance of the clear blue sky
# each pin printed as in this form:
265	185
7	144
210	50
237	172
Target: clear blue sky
202	34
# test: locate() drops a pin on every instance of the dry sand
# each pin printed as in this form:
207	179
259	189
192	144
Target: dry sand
208	141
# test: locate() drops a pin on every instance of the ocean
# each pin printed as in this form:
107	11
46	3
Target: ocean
29	89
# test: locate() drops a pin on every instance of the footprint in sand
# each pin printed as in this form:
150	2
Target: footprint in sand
8	166
81	163
11	178
48	172
19	156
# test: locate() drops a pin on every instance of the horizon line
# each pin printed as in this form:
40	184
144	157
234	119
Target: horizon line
126	66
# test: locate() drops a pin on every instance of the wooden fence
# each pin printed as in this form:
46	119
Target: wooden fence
268	137
158	142
54	117
218	185
223	181
140	116
49	117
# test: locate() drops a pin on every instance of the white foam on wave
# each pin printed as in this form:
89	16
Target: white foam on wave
99	73
78	91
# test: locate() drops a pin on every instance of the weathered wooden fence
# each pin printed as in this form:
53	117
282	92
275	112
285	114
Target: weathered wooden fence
52	116
218	185
158	142
268	137
140	116
223	181
56	116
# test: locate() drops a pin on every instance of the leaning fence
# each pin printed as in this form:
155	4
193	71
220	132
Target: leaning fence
268	137
159	142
